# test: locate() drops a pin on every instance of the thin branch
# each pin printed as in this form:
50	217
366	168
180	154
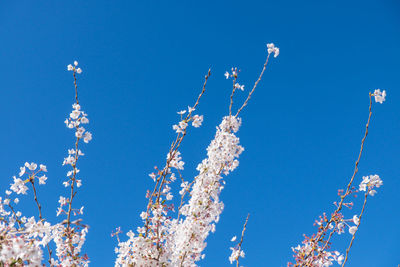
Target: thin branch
254	87
241	239
359	222
320	237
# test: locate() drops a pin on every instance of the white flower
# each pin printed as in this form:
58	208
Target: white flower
197	120
76	63
62	201
190	109
370	182
143	215
84	120
380	96
69	67
169	196
276	52
43	167
75	114
87	137
340	228
18	186
79	70
233	239
59	211
356	220
238	86
76	106
31	166
22	171
181	112
42	180
152	176
272	49
340	259
352	230
8	192
16	200
183	124
226	75
78	183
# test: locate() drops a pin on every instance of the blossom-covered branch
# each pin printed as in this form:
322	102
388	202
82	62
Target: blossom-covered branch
313	251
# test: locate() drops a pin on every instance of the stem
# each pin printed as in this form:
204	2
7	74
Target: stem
354	236
254	87
241	239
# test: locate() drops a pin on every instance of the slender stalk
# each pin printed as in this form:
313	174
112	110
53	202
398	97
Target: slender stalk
241	239
254	87
354	236
32	181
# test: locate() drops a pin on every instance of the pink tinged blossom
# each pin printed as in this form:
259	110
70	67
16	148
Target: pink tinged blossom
63	201
79	70
197	121
87	137
43	167
176	162
143	215
18	186
84	120
75	114
183	125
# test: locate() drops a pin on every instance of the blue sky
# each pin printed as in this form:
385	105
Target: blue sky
143	61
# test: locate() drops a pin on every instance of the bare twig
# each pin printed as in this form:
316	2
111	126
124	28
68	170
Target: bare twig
254	87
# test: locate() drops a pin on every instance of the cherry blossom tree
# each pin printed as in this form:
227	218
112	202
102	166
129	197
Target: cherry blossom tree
175	225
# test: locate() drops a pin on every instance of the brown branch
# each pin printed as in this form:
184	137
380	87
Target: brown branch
359	222
32	181
320	237
241	239
254	87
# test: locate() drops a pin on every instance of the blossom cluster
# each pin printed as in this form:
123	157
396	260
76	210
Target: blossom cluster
196	120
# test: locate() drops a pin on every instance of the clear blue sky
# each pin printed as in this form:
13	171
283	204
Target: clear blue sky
144	60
